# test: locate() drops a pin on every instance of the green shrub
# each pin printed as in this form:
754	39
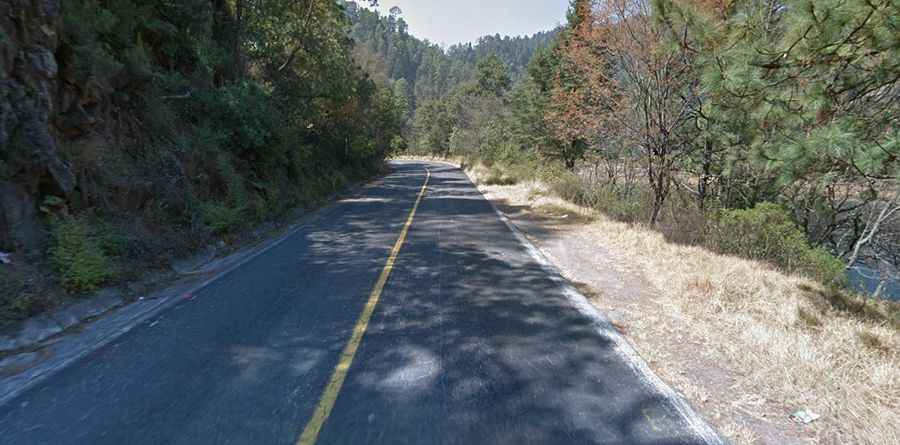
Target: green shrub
220	217
13	305
112	241
278	200
226	209
243	117
763	232
618	203
566	185
522	167
497	175
767	232
259	207
820	264
338	181
24	292
76	255
84	28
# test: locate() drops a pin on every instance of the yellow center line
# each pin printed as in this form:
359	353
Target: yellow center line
330	395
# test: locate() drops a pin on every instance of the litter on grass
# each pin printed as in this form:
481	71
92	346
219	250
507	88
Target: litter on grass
4	258
804	416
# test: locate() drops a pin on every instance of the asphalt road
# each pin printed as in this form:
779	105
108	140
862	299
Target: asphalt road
473	341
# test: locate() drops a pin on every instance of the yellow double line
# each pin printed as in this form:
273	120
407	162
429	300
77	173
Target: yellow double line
330	395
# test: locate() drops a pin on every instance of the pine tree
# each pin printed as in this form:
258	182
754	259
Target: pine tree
492	76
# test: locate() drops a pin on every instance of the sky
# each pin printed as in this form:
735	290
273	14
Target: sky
458	21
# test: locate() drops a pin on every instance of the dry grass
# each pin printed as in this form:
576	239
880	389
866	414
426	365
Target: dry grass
786	342
562	215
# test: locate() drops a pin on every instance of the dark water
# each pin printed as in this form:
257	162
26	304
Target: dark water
860	280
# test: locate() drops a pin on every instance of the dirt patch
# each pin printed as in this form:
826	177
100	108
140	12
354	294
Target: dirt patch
741	341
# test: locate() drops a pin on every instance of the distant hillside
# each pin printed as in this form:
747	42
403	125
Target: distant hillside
387	50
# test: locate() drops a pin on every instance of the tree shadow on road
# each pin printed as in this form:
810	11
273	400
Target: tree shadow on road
475	342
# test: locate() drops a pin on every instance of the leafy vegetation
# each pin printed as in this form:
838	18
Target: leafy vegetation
13	305
78	258
701	119
767	232
185	121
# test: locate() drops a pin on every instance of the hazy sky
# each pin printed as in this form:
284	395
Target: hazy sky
456	21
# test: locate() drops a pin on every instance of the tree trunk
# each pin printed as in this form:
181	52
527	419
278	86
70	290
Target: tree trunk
873	225
657	209
880	289
703	182
658	172
227	26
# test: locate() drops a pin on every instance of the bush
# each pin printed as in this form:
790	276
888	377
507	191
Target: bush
111	240
566	185
498	176
220	217
522	167
820	264
618	203
242	116
338	181
24	292
767	232
77	257
13	305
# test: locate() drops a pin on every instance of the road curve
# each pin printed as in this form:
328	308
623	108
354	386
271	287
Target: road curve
473	339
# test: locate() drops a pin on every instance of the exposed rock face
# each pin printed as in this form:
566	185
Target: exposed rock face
30	163
18	218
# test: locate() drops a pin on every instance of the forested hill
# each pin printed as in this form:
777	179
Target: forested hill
387	50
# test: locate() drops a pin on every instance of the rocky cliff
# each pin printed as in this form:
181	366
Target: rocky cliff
32	96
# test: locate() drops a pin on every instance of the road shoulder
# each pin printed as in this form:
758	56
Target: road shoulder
662	336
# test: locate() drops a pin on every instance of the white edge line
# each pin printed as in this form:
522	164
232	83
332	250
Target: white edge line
698	426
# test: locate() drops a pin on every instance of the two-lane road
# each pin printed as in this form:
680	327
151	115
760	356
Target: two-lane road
471	339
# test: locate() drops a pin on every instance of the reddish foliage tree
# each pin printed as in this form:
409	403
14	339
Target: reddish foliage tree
631	86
